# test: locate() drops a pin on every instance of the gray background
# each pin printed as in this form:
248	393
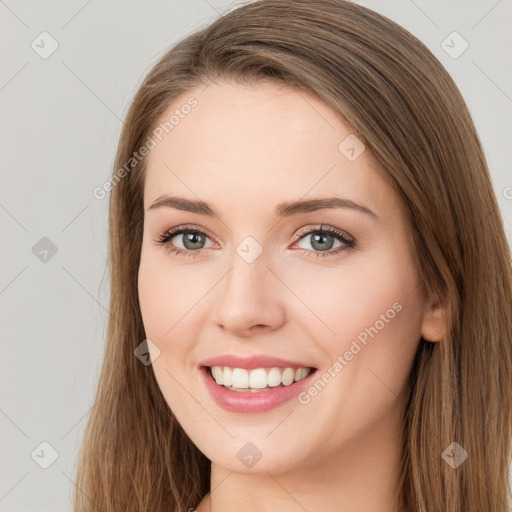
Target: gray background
60	122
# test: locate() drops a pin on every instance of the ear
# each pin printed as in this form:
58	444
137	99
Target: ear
434	324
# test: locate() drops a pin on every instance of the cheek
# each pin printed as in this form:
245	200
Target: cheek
165	295
174	309
153	299
160	310
164	304
368	319
376	318
379	287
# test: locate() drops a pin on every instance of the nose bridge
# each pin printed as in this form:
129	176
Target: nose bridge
249	296
249	261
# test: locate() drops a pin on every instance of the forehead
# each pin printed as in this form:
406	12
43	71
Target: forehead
246	145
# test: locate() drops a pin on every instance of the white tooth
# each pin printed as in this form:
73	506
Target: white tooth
274	377
304	372
218	374
240	378
288	376
258	378
228	376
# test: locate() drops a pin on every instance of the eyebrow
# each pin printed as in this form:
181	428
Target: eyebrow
286	209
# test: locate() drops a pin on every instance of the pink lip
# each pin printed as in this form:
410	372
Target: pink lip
252	362
245	402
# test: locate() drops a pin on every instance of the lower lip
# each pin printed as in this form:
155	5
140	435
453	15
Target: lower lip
262	401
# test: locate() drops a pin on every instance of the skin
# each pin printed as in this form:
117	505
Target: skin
245	149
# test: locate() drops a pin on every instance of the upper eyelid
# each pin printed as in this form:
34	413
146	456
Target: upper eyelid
324	228
178	230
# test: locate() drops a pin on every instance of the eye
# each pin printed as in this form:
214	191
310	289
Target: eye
322	240
192	238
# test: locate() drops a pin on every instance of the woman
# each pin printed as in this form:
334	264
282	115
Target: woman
309	264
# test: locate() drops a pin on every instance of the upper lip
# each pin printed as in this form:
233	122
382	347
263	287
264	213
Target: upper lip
257	361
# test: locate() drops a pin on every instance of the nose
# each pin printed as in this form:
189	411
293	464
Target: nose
250	298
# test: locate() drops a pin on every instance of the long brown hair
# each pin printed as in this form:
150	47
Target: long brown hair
400	101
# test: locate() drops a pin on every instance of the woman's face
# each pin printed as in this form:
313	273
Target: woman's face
327	286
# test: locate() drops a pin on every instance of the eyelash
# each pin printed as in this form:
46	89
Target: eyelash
164	239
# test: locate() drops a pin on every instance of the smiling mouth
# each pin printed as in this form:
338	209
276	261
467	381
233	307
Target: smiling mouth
258	379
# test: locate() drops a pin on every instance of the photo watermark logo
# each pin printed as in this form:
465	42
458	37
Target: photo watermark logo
150	143
343	360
